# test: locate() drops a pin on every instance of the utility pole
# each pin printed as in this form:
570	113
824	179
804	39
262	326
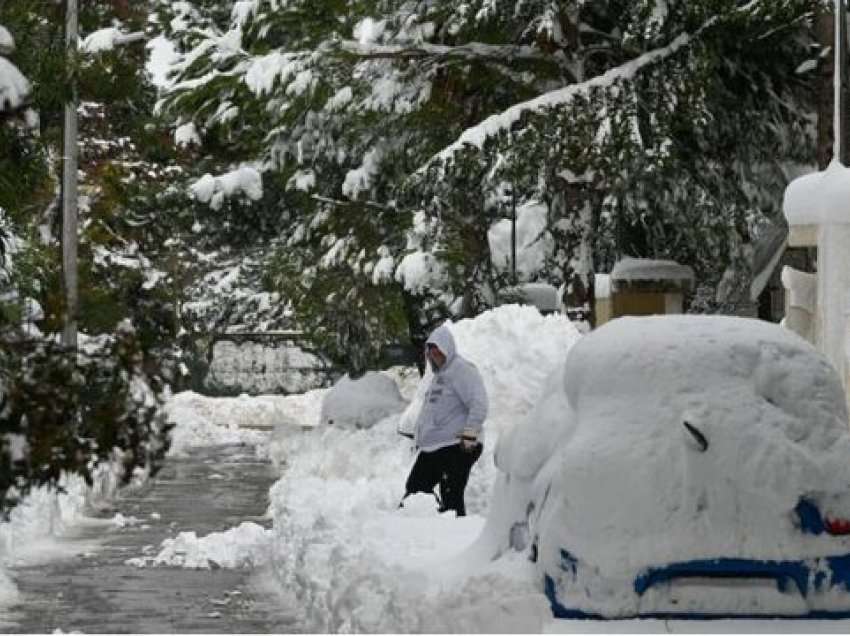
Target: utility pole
69	189
840	82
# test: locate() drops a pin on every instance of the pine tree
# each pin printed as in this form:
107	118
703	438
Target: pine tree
71	410
395	134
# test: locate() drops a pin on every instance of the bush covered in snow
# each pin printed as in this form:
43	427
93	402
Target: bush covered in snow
64	411
671	439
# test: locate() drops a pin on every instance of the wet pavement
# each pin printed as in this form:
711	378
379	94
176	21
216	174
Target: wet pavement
94	591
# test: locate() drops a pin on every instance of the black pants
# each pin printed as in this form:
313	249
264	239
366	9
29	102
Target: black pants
449	467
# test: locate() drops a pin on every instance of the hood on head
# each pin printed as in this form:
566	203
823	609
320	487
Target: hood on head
443	338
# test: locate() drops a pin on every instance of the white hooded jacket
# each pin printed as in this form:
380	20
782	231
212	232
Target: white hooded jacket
456	398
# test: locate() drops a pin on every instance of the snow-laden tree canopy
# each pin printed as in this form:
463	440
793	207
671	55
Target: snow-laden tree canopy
398	133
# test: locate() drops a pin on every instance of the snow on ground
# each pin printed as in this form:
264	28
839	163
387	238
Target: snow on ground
361	402
341	549
41	528
206	421
244	546
345	553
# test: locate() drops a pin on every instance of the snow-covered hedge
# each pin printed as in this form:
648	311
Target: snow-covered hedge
69	411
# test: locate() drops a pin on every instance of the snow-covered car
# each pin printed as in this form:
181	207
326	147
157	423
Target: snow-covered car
684	466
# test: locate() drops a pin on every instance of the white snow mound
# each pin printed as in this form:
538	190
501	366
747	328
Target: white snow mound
207	421
605	469
352	561
245	546
362	402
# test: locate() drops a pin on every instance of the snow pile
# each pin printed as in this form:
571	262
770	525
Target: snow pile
361	402
244	546
515	349
347	556
36	526
205	421
245	181
605	471
42	516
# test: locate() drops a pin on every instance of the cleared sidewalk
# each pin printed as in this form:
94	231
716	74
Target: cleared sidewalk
95	591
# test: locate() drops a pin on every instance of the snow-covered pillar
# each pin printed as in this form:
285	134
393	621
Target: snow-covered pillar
822	199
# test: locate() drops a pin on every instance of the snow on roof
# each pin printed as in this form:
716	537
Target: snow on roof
819	197
629	269
14	87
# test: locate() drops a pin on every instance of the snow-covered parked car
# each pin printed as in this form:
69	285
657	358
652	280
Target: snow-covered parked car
683	465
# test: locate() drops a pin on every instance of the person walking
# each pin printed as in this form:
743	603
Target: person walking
449	434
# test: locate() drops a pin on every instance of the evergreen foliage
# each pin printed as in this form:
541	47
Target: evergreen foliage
64	410
662	130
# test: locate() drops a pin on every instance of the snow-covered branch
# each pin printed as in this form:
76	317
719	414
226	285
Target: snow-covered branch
493	125
108	39
468	51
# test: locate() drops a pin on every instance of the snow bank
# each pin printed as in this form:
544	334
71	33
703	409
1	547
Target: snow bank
206	421
352	561
605	470
515	349
37	526
362	402
244	546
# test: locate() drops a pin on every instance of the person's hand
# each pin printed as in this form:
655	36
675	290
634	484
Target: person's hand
468	439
